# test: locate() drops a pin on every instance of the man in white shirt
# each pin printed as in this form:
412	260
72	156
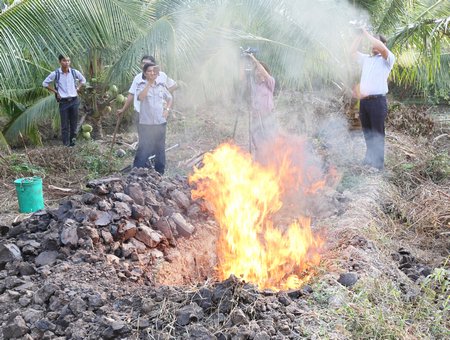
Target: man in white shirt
66	89
375	69
163	79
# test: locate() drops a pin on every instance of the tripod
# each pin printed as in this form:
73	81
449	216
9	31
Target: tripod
246	91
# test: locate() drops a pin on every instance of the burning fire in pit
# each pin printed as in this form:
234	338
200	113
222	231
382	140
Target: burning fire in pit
244	196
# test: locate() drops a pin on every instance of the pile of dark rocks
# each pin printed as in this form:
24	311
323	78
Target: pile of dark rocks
85	271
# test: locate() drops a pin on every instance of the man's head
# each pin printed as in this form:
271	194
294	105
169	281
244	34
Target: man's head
146	59
64	61
150	71
380	38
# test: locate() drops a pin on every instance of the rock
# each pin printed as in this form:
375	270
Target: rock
122	209
46	258
120	196
348	279
187	314
127	231
77	306
106	236
15	328
238	317
164	227
134	190
180	199
9	252
184	229
69	234
103	218
148	236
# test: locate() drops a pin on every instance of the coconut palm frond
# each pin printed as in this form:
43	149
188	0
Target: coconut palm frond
44	108
4	144
35	32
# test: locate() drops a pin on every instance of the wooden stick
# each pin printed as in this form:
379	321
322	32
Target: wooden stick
119	119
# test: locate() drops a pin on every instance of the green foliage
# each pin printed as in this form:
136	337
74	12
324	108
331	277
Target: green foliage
95	161
19	166
378	309
437	168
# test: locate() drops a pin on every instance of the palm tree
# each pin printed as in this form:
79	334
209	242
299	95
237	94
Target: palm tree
305	42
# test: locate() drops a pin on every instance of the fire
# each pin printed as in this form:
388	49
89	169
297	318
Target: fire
244	196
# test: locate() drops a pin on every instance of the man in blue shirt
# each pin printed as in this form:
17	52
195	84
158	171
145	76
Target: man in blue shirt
375	69
67	84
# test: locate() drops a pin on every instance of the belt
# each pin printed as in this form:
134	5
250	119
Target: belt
68	99
374	96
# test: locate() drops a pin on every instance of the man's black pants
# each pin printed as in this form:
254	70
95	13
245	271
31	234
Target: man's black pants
373	113
152	141
68	111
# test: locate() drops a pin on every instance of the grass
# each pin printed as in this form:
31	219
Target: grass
377	308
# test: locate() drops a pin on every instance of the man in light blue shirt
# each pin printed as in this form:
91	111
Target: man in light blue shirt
155	103
375	69
67	84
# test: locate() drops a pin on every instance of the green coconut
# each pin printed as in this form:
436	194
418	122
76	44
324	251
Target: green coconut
114	90
86	128
86	135
120	99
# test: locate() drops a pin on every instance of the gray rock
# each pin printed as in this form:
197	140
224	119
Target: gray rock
43	294
180	199
15	328
46	258
106	236
348	279
238	317
77	306
69	233
103	218
122	209
9	252
190	313
184	228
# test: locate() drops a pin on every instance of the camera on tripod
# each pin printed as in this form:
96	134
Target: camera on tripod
247	51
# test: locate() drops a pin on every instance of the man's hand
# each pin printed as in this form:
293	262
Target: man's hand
166	112
119	112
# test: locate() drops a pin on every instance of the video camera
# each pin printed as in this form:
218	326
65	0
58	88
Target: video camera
247	51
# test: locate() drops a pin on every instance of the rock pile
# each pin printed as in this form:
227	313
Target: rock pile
84	271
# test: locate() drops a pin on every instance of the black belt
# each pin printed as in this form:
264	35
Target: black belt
68	99
374	96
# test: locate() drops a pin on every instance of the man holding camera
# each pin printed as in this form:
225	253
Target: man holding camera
375	69
262	121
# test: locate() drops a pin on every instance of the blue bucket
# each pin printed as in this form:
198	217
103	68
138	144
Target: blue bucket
29	194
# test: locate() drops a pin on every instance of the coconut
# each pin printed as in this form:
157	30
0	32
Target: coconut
86	128
107	109
120	99
86	135
114	90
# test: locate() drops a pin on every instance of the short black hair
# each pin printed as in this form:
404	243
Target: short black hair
61	57
382	38
146	66
148	57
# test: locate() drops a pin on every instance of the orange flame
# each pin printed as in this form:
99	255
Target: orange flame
244	196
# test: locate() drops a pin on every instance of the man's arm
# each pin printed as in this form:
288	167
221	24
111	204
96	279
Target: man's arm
260	67
46	83
355	46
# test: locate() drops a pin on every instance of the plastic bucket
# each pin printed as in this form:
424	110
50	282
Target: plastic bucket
29	194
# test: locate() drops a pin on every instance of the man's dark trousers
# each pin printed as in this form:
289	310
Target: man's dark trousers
68	111
372	114
152	141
